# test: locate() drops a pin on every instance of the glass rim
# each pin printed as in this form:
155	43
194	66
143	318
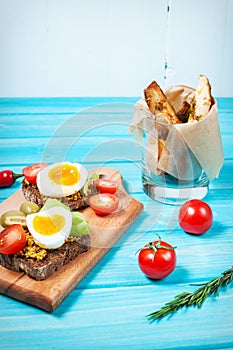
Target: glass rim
166	124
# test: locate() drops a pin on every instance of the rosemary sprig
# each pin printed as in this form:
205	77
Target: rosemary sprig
195	298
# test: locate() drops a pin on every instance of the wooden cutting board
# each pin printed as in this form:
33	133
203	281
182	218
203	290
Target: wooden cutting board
105	231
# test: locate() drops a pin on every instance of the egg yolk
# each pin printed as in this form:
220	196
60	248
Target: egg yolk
65	175
48	225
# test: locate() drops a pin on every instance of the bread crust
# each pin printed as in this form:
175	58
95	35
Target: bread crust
158	103
77	201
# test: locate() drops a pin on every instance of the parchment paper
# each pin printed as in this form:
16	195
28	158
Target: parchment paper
189	147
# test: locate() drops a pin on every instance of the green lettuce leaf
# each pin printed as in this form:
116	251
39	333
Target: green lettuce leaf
52	202
90	178
79	225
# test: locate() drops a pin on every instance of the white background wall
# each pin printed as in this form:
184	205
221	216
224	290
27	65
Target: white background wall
113	47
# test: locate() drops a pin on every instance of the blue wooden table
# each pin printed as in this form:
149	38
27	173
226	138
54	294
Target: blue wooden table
108	309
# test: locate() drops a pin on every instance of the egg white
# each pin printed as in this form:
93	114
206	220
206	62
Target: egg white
55	240
48	188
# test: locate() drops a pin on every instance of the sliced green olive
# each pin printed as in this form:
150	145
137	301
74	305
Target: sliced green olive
29	207
13	217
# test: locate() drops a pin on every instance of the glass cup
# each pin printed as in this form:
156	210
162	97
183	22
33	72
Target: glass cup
170	172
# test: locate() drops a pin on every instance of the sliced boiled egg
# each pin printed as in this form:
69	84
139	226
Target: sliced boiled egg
61	179
50	227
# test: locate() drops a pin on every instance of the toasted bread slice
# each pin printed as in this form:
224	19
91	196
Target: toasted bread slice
76	201
158	103
203	98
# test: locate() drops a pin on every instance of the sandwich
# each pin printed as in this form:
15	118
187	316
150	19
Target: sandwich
67	182
50	232
44	262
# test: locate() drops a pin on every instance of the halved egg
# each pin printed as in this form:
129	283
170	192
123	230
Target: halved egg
50	227
61	179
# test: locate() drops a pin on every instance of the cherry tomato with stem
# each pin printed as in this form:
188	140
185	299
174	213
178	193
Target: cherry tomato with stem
30	172
7	178
195	217
157	259
104	203
106	185
12	239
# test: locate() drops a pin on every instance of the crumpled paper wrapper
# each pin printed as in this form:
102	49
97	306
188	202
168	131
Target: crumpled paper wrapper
188	147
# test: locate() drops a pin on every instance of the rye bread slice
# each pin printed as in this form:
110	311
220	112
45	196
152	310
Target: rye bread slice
76	201
55	259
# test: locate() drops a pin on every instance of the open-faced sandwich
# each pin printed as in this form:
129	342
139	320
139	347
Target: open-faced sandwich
41	242
47	231
68	182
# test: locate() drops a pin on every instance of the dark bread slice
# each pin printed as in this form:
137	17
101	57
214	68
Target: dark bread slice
54	260
76	201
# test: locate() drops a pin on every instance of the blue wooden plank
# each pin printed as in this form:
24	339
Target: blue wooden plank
115	296
46	130
77	324
53	105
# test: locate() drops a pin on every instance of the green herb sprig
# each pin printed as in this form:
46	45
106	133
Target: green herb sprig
195	298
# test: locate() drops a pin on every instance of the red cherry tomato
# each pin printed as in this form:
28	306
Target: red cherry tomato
31	171
106	186
12	239
104	203
157	259
195	217
8	177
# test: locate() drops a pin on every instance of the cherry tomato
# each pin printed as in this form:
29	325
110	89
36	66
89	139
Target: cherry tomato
31	171
12	239
195	217
157	259
7	178
104	203
106	186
